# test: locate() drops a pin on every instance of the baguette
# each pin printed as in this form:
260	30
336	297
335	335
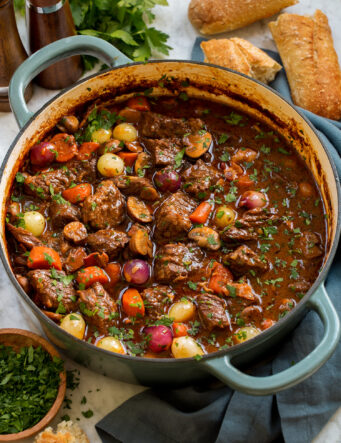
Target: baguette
215	16
242	56
306	47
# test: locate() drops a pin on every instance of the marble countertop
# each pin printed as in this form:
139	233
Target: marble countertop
104	394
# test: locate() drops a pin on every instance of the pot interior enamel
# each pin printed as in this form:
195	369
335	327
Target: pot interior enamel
167	78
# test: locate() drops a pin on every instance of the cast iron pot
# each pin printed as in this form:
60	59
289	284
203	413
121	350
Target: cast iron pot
197	80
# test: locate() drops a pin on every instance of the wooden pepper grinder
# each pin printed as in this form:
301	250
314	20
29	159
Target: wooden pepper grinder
12	52
48	21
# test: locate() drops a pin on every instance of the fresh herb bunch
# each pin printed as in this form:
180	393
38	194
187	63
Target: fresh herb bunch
29	383
124	23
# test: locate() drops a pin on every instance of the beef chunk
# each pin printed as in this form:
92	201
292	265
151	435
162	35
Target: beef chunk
53	290
310	245
109	241
63	213
139	186
211	311
243	260
301	286
163	152
174	262
236	235
56	241
172	218
98	307
23	282
75	259
84	170
258	217
42	184
105	208
26	238
199	177
157	300
154	125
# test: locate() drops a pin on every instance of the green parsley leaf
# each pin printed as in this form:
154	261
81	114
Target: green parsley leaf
222	139
178	158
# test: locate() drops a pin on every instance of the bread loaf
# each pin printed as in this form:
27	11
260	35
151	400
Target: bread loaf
214	16
310	61
242	56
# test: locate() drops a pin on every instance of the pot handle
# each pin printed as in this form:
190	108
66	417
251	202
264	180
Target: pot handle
46	56
224	370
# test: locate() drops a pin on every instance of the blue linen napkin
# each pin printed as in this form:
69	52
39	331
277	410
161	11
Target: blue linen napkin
215	413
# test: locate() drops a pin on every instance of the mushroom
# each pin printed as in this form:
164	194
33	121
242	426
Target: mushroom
140	242
143	162
138	210
205	237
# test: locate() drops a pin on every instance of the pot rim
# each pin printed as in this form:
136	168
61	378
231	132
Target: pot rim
235	349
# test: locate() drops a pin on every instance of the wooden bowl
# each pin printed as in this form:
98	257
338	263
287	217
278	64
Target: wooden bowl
18	338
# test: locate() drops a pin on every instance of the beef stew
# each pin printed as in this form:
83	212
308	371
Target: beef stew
172	227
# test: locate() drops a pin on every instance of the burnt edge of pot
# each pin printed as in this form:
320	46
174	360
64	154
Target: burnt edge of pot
177	86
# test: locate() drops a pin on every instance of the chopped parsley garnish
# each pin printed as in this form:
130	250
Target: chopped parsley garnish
225	157
192	285
222	139
87	414
233	119
178	158
20	178
183	96
29	383
283	151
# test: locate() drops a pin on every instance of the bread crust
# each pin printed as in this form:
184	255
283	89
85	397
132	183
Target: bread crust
242	56
306	47
215	16
226	53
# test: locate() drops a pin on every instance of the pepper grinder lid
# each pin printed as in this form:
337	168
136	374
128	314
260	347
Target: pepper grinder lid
45	6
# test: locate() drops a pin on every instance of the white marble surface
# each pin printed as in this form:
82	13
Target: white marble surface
106	394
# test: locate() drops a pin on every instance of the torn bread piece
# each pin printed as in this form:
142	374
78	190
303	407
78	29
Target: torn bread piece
67	432
242	56
306	47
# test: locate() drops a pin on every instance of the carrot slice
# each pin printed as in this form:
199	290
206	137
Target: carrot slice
139	103
100	259
221	277
114	272
201	214
244	182
77	193
242	290
86	149
132	303
66	147
179	329
128	157
267	323
88	276
42	257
